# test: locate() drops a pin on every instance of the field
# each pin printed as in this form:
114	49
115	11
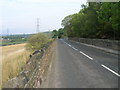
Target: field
5	43
13	57
13	39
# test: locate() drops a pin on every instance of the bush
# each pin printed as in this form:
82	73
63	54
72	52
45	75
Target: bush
36	41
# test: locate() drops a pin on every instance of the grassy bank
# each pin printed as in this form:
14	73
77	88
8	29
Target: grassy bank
13	58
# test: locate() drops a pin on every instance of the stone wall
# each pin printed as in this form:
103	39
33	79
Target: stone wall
104	43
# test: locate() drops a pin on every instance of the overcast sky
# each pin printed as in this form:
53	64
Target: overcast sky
20	16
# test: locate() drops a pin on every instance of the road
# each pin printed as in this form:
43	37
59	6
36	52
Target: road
76	65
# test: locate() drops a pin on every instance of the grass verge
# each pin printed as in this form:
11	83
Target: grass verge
13	58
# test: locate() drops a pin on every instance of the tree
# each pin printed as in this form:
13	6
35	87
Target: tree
97	20
60	33
54	34
109	20
36	41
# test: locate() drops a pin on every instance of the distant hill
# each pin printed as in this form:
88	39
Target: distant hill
49	33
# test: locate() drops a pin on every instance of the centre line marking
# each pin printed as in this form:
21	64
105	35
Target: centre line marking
80	52
74	48
92	59
110	70
69	45
86	55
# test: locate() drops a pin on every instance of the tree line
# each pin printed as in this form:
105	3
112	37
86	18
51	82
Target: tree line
95	20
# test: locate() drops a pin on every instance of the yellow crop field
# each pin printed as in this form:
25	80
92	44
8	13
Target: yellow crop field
12	58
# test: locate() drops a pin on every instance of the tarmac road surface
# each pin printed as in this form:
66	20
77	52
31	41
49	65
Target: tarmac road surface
79	66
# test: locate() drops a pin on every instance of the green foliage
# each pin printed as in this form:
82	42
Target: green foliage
61	33
109	20
48	33
36	41
54	34
58	34
97	20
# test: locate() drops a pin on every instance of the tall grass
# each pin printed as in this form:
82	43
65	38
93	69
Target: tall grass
11	64
0	75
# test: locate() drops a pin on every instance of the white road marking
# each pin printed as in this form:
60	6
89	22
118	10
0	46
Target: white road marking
86	55
80	51
69	45
74	48
92	59
110	70
66	43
